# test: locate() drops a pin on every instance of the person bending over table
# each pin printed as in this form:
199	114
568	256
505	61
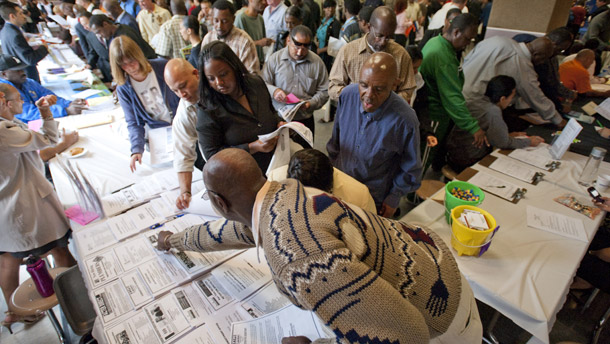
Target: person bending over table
312	168
500	92
32	217
328	257
574	74
144	96
235	106
12	72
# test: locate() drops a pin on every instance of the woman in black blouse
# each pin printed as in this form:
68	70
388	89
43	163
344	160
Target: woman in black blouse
235	106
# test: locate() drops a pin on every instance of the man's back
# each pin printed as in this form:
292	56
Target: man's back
344	263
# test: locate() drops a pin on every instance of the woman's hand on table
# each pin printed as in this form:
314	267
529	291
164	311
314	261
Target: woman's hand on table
163	241
135	157
184	200
262	147
535	140
605	205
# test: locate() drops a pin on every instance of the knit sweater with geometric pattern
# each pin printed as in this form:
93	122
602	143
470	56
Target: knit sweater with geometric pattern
370	279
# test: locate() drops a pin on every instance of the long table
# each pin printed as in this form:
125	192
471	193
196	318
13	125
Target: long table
526	273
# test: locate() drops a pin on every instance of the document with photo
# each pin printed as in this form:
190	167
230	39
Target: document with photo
191	303
166	316
111	301
213	292
266	300
133	328
136	288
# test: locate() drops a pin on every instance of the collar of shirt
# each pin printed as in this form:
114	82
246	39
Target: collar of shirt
364	45
256	211
525	51
377	114
347	22
286	56
120	17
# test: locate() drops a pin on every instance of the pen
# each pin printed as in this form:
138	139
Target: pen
157	225
599	123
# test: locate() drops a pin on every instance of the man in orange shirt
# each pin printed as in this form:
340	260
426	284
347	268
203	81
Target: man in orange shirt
574	75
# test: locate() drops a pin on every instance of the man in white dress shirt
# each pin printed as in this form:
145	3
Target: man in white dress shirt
183	79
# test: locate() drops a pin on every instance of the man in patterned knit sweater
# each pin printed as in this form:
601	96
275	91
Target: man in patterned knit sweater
370	279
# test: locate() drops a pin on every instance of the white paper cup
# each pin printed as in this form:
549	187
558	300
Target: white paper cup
603	183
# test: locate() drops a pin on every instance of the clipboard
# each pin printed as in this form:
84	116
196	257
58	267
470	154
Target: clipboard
489	159
549	167
469	172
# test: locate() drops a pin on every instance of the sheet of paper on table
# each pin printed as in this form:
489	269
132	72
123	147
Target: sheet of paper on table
86	93
539	157
200	335
161	143
134	328
93	238
244	274
271	328
604	109
513	168
563	142
219	324
589	108
497	186
556	223
200	206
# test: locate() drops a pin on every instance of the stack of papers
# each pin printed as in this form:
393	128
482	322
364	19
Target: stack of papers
473	220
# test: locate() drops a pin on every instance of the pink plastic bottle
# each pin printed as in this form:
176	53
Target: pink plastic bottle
40	275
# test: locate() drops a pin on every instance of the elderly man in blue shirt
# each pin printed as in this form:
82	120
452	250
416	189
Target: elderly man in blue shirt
12	72
375	137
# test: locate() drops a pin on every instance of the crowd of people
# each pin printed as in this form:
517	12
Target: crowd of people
410	76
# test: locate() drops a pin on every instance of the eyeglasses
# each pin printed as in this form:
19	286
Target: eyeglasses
299	44
206	195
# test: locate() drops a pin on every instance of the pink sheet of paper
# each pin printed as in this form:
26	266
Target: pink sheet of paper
75	213
35	124
291	99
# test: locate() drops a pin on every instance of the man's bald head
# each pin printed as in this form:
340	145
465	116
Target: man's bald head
183	79
233	178
586	57
541	49
383	25
377	80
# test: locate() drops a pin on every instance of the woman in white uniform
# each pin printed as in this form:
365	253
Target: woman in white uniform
32	218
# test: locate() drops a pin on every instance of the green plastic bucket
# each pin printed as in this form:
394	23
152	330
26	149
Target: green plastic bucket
452	201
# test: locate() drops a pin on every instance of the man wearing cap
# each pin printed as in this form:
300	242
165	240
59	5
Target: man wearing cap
14	42
12	72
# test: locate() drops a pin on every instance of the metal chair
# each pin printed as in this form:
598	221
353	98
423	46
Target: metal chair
74	301
600	324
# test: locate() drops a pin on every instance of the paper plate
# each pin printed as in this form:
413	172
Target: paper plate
70	156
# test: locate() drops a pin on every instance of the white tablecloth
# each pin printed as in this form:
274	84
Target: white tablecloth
526	273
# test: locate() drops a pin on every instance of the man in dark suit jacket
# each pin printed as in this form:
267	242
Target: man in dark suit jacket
119	15
104	27
14	42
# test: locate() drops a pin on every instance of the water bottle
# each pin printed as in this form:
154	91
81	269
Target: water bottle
40	275
589	173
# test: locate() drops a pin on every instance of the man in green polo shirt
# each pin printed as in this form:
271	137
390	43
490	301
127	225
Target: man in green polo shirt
444	79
